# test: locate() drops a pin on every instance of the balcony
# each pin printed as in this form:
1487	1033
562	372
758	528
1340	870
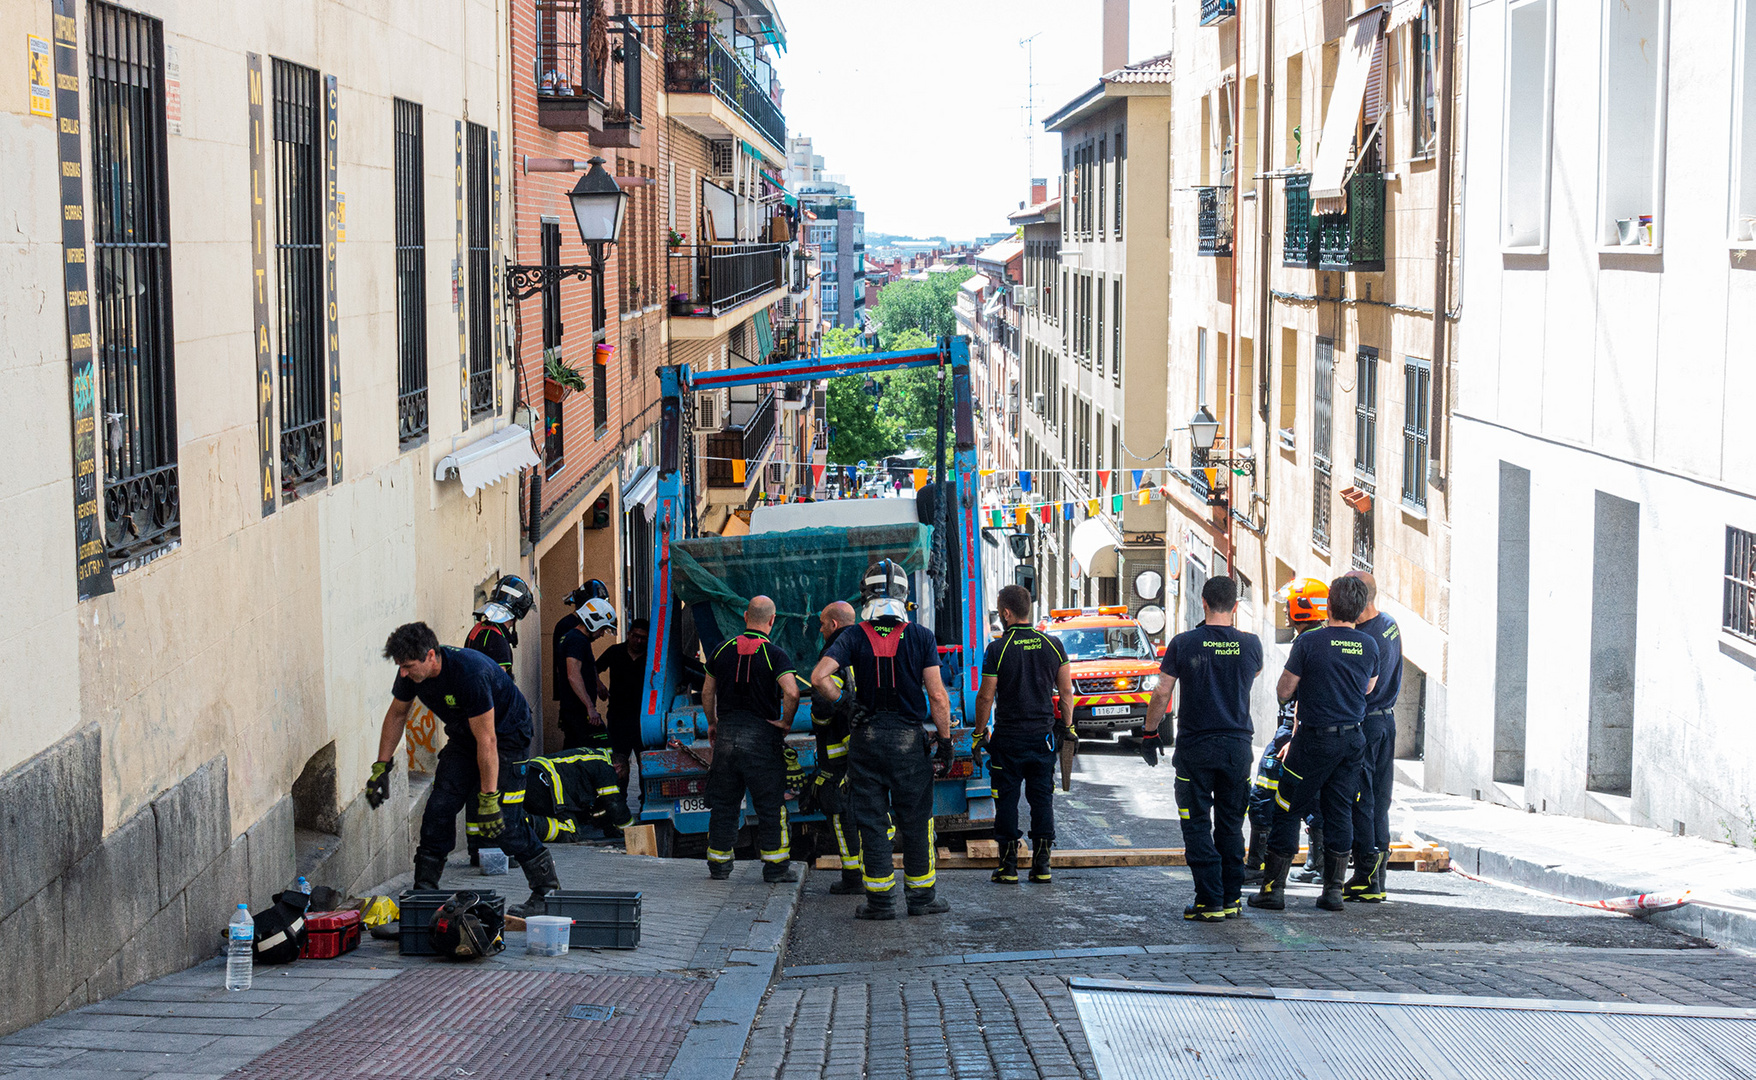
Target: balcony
698	62
745	442
1213	222
569	84
709	280
1217	11
1350	240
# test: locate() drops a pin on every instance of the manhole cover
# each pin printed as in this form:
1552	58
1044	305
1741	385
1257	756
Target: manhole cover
591	1012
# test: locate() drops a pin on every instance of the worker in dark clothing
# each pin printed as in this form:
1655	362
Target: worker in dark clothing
591	590
1332	670
487	733
582	722
625	664
895	664
1307	601
495	633
832	723
1378	773
1022	670
571	791
1215	663
750	696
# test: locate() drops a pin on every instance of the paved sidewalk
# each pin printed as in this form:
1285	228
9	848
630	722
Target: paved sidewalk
1590	860
685	1000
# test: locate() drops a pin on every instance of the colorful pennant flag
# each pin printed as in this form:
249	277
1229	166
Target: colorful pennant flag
984	472
1137	473
1115	504
816	476
1091	508
1067	511
1145	496
1048	510
1022	515
738	467
994	518
1103	478
920	479
1024	480
852	474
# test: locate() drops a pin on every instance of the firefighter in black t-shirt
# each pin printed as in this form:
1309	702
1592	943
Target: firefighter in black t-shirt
832	723
750	697
495	633
1022	670
891	766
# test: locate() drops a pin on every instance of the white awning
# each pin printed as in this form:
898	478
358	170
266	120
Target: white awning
641	491
1330	173
488	460
1403	11
1094	547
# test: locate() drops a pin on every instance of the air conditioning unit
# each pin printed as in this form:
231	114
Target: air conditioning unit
776	473
1039	404
710	412
1025	296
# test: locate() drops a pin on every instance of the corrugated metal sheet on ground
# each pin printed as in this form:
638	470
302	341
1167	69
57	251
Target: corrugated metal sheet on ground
1147	1031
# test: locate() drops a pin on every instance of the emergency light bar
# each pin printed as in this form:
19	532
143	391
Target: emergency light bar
1073	612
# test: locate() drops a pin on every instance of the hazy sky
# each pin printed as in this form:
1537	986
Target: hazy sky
920	104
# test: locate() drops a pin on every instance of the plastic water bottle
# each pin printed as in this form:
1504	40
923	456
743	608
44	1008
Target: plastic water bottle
302	885
240	946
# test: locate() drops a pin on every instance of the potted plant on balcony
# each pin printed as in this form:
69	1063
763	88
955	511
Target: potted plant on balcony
559	380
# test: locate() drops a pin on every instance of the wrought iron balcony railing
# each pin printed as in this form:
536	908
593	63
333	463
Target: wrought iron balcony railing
697	62
710	279
1350	240
1217	11
745	443
569	82
1213	221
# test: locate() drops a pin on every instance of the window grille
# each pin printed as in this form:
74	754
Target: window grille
1417	382
1366	413
1116	329
131	289
1363	541
600	393
1121	159
300	206
481	318
1322	394
1739	618
1320	507
554	422
411	272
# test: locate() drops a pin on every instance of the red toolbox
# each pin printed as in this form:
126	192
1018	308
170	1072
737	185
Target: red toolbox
330	933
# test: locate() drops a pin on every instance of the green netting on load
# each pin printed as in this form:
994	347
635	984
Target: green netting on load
801	571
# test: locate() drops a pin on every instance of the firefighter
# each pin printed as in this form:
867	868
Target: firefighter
1377	775
897	691
1307	601
1333	671
591	590
576	788
625	664
1022	670
830	720
495	633
582	722
487	732
1216	664
750	697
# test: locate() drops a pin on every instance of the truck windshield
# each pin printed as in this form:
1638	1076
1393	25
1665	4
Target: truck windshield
1105	643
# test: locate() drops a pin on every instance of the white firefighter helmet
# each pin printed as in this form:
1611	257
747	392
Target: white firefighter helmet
884	591
597	615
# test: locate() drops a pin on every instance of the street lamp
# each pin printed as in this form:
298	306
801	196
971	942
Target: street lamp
1203	429
599	204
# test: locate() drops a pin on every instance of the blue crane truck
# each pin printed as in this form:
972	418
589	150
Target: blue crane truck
805	556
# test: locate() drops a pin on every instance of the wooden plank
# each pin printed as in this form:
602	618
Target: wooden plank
983	849
641	839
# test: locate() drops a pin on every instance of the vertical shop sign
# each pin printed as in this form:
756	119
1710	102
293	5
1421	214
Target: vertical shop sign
259	282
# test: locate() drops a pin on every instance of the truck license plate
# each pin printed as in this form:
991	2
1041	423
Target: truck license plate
691	806
1111	710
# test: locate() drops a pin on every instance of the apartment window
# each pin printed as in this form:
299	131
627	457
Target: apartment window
130	299
600	391
1294	96
1739	618
1121	162
1115	457
1116	331
1632	119
1366	413
1743	224
481	320
554	423
1423	87
1103	163
1100	342
1417	384
1320	507
1097	445
1322	438
1202	384
1364	542
1289	388
411	273
1528	118
300	206
1063	320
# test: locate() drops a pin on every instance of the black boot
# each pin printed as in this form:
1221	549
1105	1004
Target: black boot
1039	860
1313	868
428	869
880	906
1007	872
539	872
719	871
1272	895
778	873
1199	912
1374	891
849	884
925	902
1253	858
1334	867
1361	880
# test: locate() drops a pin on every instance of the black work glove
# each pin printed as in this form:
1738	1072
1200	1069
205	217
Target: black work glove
942	758
489	821
378	784
1149	748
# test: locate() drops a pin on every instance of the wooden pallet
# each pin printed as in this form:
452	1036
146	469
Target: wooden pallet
985	855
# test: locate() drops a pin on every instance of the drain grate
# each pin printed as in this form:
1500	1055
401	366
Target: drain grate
1147	1031
591	1012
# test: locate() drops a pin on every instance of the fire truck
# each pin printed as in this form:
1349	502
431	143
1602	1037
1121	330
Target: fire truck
1115	668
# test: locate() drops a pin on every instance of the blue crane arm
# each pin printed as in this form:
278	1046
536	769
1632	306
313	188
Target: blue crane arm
674	516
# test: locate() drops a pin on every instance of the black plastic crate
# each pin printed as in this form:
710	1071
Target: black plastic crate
415	911
601	920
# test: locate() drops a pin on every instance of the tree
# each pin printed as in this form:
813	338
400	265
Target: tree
926	306
859	429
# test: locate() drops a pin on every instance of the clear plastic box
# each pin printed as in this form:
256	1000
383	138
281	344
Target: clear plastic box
547	935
